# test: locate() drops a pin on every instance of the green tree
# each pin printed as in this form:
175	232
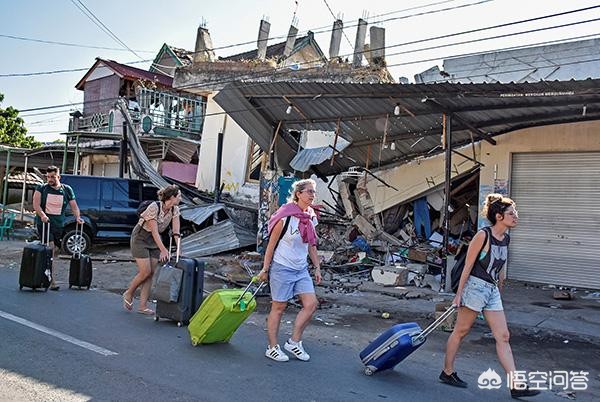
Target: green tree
12	129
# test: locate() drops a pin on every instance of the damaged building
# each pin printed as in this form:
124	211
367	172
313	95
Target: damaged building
536	142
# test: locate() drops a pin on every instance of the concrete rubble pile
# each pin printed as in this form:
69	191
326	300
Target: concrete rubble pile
358	246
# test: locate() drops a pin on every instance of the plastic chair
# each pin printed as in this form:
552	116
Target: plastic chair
7	225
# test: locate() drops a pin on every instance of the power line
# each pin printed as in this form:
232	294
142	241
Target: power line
231	112
271	72
101	25
66	104
528	46
50	42
36	40
334	19
365	118
531	45
244	43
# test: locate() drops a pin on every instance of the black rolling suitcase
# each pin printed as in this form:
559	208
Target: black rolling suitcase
36	263
80	268
190	292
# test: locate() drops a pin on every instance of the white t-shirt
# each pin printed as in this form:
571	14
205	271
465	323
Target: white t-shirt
292	251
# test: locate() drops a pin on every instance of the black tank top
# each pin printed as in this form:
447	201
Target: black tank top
489	264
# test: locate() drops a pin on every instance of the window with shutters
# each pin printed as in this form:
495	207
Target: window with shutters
256	158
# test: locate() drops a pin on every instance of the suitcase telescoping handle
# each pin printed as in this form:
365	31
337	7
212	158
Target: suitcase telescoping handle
79	226
45	233
178	248
420	337
239	300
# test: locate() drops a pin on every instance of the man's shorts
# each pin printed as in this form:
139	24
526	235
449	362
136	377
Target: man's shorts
55	233
288	282
479	295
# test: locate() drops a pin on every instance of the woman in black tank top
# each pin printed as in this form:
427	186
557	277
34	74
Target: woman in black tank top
479	291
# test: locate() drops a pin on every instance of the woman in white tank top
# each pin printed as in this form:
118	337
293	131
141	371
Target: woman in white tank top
292	239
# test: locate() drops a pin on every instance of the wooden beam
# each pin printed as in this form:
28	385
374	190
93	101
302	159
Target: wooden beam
337	133
478	132
295	107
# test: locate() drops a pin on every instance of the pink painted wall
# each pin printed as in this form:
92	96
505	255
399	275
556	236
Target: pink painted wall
184	172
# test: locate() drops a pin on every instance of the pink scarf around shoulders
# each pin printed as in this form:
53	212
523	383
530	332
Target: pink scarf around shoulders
306	227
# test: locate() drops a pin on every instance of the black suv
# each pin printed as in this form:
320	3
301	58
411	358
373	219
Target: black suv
108	206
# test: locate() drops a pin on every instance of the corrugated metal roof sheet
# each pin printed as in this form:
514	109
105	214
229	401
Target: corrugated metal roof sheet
314	156
198	214
223	236
365	113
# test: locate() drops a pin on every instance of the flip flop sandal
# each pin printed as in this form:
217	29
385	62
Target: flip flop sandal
128	305
146	311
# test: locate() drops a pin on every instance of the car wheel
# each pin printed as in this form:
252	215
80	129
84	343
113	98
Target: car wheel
75	242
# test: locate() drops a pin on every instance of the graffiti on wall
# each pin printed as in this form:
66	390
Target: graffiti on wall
268	197
229	184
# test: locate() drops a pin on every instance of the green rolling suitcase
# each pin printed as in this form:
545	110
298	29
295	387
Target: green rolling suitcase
221	314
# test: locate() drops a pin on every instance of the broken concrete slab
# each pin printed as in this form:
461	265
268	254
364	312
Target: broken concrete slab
365	227
390	275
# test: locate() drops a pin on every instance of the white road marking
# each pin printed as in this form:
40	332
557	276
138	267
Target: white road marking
59	335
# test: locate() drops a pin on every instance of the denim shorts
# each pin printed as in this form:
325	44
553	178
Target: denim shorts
288	282
479	295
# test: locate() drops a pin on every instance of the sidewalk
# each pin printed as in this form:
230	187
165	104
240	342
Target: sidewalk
529	308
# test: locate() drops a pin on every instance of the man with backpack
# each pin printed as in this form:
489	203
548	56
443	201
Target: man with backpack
50	202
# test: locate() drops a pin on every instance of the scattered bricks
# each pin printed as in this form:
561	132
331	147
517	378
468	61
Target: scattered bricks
417	255
562	295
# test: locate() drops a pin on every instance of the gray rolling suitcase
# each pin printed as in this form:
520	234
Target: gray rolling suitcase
190	292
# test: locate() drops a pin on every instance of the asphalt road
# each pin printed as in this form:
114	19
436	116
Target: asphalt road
82	345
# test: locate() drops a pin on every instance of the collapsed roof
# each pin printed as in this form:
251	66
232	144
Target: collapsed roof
372	117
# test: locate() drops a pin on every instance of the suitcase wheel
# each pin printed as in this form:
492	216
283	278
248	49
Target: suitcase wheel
20	287
369	371
70	286
194	341
179	323
155	318
88	288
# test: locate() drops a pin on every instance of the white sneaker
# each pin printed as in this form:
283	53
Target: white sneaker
297	350
276	354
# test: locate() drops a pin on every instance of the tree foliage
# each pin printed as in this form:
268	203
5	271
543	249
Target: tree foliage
12	129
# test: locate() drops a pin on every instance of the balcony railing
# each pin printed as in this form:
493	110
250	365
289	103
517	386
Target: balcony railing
169	114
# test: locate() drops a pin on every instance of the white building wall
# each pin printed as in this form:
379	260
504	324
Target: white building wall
235	152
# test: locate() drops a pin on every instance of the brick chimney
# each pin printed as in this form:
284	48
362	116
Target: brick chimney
263	37
377	46
203	50
336	38
291	41
359	44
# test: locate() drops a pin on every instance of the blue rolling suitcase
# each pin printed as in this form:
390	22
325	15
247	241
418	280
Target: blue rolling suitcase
397	343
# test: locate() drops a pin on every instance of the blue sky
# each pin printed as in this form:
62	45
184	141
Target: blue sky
146	25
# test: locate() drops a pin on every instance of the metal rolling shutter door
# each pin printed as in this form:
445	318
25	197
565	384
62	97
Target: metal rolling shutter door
557	240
